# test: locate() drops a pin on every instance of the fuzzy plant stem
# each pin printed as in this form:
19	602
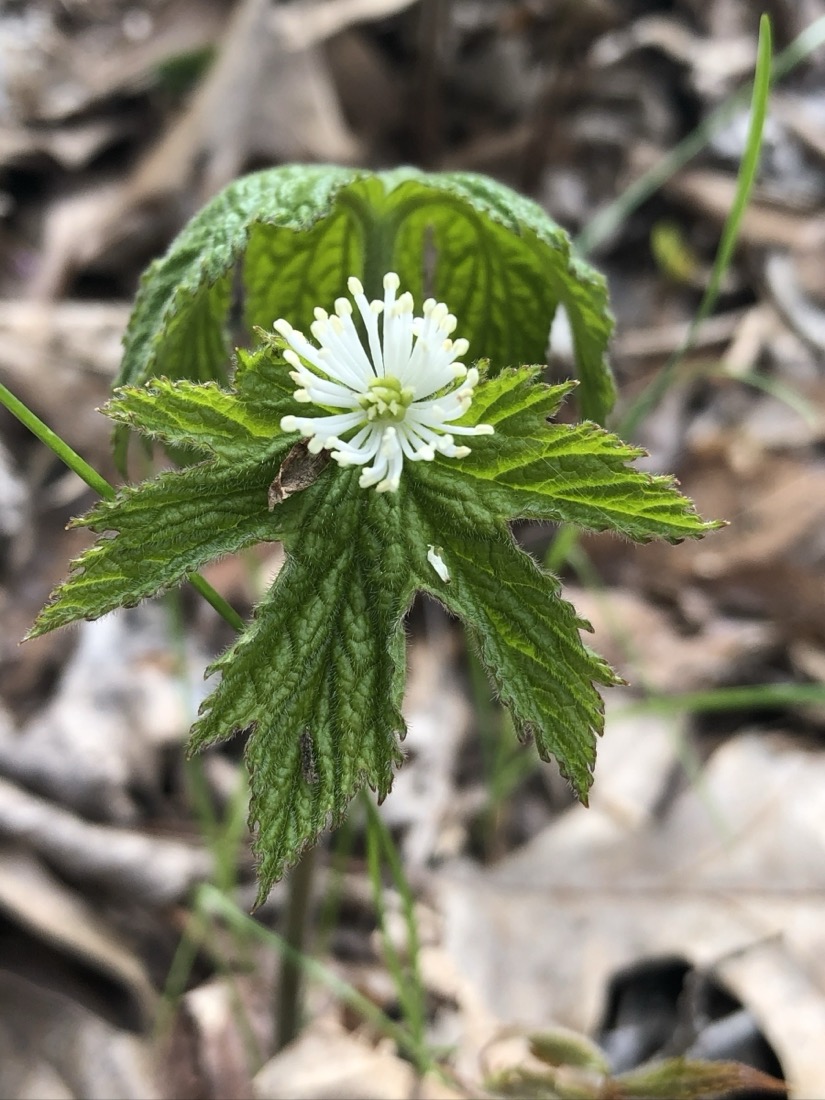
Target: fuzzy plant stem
290	980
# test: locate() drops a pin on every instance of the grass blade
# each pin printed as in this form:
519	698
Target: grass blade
650	397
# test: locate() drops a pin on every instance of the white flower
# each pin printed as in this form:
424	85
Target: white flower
397	389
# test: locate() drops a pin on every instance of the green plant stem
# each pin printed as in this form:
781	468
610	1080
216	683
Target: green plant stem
288	1013
216	600
96	481
55	444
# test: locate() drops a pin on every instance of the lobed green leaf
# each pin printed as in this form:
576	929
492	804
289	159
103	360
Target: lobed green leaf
292	235
158	533
580	474
318	677
526	635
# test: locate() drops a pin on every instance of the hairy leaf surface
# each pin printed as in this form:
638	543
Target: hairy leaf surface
288	238
316	680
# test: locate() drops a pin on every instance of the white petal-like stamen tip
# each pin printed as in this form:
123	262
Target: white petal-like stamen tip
437	562
386	392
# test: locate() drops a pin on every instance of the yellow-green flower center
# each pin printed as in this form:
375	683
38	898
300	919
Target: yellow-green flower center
386	400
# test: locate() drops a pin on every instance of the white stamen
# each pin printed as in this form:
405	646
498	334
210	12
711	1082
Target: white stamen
399	386
437	562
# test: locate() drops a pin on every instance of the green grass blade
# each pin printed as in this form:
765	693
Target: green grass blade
55	444
409	987
211	901
96	481
741	697
788	395
650	397
605	223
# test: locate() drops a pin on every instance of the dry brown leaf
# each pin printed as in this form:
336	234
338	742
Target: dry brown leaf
268	96
642	642
802	316
55	74
55	1049
712	193
438	716
211	1049
60	359
714	63
328	1063
95	746
106	975
146	870
731	878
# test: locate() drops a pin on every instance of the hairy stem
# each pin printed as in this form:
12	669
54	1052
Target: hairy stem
288	1014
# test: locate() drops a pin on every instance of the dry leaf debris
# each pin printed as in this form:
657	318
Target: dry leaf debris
704	838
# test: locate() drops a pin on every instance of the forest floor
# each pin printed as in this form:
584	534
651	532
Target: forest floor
683	912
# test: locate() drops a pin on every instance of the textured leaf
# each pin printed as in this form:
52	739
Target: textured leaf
295	233
178	327
526	635
163	530
317	678
579	474
503	266
238	427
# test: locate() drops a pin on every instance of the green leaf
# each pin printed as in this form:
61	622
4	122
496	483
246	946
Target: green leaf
318	677
162	530
578	474
294	234
178	327
527	637
503	266
242	428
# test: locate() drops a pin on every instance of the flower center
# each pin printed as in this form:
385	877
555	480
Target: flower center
386	400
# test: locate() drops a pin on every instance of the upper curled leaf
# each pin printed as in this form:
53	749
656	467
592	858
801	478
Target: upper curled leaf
294	234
